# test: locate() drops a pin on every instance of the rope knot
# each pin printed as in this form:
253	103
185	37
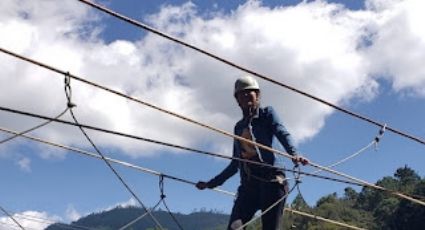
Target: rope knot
68	90
380	134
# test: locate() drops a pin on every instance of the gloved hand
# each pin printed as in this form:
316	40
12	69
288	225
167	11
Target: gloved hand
299	159
201	185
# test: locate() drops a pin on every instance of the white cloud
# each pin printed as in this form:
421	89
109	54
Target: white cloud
129	203
25	164
28	220
399	44
315	46
72	214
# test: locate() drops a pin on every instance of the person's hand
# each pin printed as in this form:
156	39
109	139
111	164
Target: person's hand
299	159
201	185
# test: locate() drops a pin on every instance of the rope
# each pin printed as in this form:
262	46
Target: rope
244	69
268	209
322	219
353	181
33	128
68	93
209	127
215	129
90	154
180	147
140	217
161	189
162	199
374	142
12	218
145	170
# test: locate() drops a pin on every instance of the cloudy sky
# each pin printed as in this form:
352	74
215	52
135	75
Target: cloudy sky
365	56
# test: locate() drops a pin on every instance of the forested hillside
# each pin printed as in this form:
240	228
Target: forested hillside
370	209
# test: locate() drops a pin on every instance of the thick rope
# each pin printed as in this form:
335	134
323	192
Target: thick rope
244	69
210	127
94	155
353	179
129	165
218	130
322	219
180	147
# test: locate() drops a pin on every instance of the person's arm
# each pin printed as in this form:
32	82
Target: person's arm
228	172
284	137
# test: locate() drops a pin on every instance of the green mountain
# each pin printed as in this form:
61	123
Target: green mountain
118	217
367	208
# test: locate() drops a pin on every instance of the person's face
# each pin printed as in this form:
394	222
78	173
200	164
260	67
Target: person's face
248	99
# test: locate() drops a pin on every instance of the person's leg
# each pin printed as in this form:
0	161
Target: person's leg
244	208
271	193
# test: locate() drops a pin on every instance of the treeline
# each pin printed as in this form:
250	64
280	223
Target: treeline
369	209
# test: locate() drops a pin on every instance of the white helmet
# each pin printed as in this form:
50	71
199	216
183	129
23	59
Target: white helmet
245	82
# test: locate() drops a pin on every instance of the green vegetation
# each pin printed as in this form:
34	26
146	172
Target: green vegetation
368	209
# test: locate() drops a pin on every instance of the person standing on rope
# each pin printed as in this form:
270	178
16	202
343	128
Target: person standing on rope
261	186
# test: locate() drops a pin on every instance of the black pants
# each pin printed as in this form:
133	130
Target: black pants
254	195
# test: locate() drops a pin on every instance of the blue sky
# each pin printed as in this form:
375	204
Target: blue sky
317	46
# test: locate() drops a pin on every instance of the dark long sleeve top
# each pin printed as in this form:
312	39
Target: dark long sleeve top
265	127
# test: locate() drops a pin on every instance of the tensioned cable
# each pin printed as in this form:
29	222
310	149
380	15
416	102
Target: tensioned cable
374	142
149	171
207	126
146	104
175	146
161	200
322	219
33	128
244	69
68	93
353	179
12	218
140	217
182	148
